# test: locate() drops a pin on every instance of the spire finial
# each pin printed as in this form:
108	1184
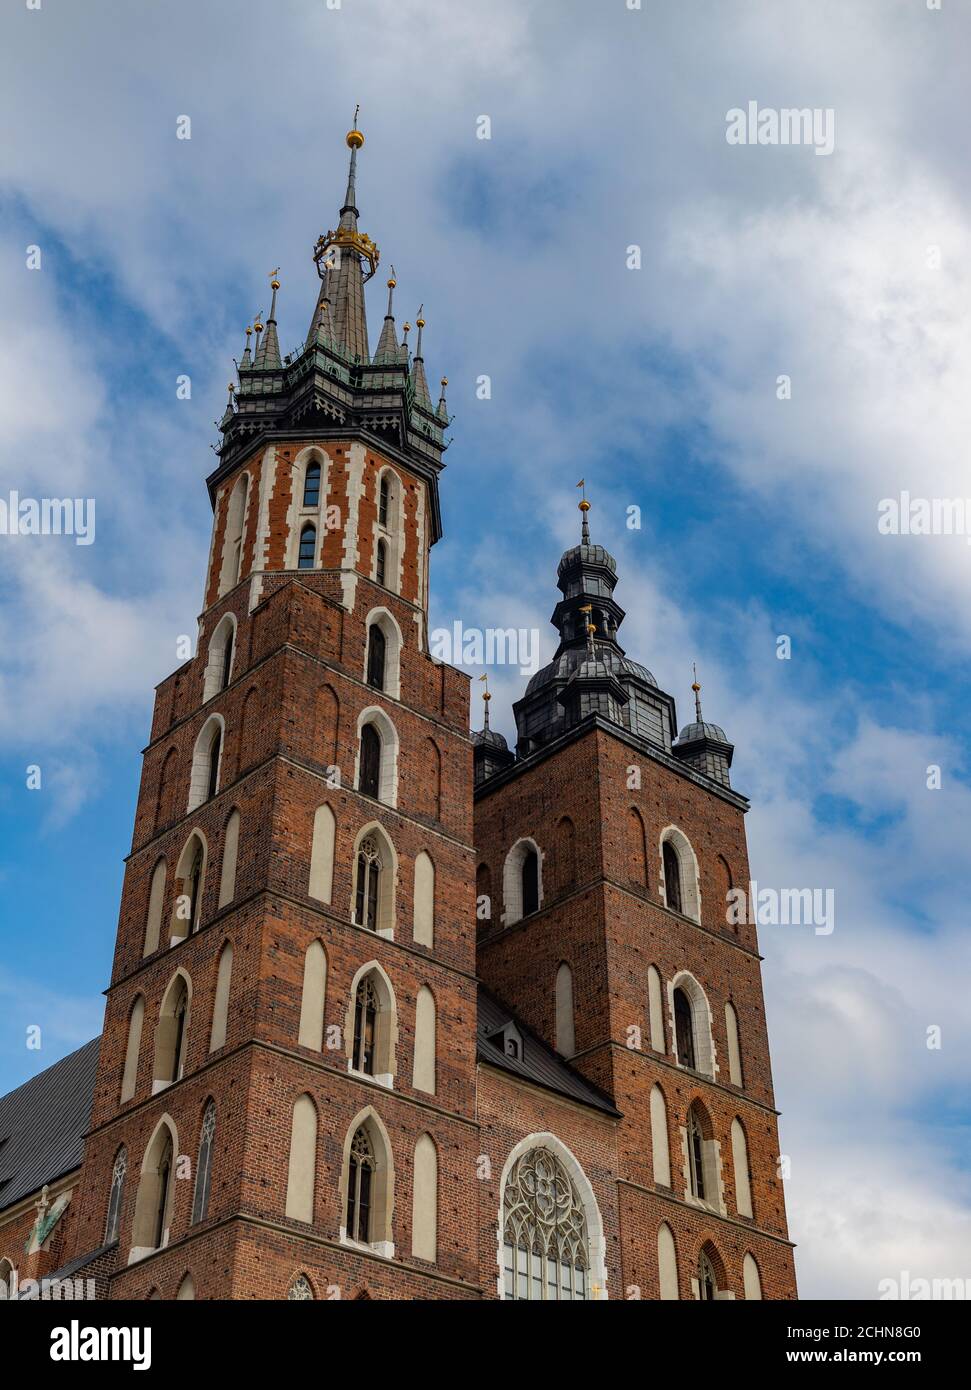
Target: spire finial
486	697
584	507
419	324
392	281
697	689
442	407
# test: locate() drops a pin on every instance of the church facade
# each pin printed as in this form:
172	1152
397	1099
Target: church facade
397	1011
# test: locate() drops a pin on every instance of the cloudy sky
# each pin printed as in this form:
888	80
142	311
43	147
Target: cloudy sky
847	273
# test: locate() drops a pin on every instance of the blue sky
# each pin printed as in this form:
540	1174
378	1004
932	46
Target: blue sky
657	385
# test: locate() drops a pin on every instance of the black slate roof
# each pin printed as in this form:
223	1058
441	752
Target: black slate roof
539	1063
43	1123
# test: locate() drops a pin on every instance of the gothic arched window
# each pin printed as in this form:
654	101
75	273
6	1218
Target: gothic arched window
384	497
214	747
365	1020
530	873
376	649
300	1288
164	1188
707	1284
696	1155
114	1199
311	486
359	1179
672	876
545	1242
381	563
368	875
308	548
369	777
195	887
200	1201
684	1029
227	657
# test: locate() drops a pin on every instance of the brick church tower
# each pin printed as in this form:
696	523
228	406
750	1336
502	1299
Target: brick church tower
397	1011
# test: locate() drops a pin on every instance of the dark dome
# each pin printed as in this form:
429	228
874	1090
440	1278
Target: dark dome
608	661
586	555
488	738
691	733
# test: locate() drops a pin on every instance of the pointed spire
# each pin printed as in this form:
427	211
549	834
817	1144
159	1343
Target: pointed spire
697	689
247	360
387	348
486	697
229	412
339	257
584	507
418	367
442	407
257	329
268	352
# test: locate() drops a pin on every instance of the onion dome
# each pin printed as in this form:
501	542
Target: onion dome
490	751
703	746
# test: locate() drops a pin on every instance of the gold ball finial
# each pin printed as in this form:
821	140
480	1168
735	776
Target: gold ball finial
274	284
258	326
391	282
444	380
420	321
407	327
696	687
486	695
354	139
584	505
249	330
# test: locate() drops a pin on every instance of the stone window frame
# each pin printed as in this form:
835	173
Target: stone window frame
146	1197
391	533
385	1029
182	927
165	1033
382	1188
215	677
390	748
690	876
387	882
714	1183
512	880
298	516
231	565
706	1062
201	773
709	1252
384	619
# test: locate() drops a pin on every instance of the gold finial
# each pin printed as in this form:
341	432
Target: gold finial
419	321
274	282
249	330
354	137
583	504
444	381
697	689
232	388
391	280
485	693
407	328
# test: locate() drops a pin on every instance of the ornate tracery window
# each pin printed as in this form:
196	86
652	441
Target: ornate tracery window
200	1203
546	1253
300	1288
117	1191
707	1284
359	1180
696	1155
684	1029
365	1017
366	896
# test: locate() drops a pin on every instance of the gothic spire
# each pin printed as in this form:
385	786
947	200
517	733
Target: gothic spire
268	351
442	407
697	689
247	360
388	341
340	258
418	367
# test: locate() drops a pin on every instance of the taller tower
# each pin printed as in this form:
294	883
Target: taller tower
287	1069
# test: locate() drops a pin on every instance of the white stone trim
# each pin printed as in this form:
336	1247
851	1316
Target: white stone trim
690	878
512	882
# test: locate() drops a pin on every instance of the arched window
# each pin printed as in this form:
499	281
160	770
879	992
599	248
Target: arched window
424	1201
302	1169
194	893
307	555
684	1029
565	1039
544	1231
156	900
423	1071
187	1288
154	1199
371	1025
204	778
375	657
365	1023
672	876
311	1030
227	657
375	874
170	1034
696	1156
368	882
530	877
118	1172
220	1007
200	1201
232	561
384	497
381	563
360	1179
751	1279
7	1279
369	777
300	1288
129	1076
190	876
679	868
311	485
367	1185
655	1008
707	1283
